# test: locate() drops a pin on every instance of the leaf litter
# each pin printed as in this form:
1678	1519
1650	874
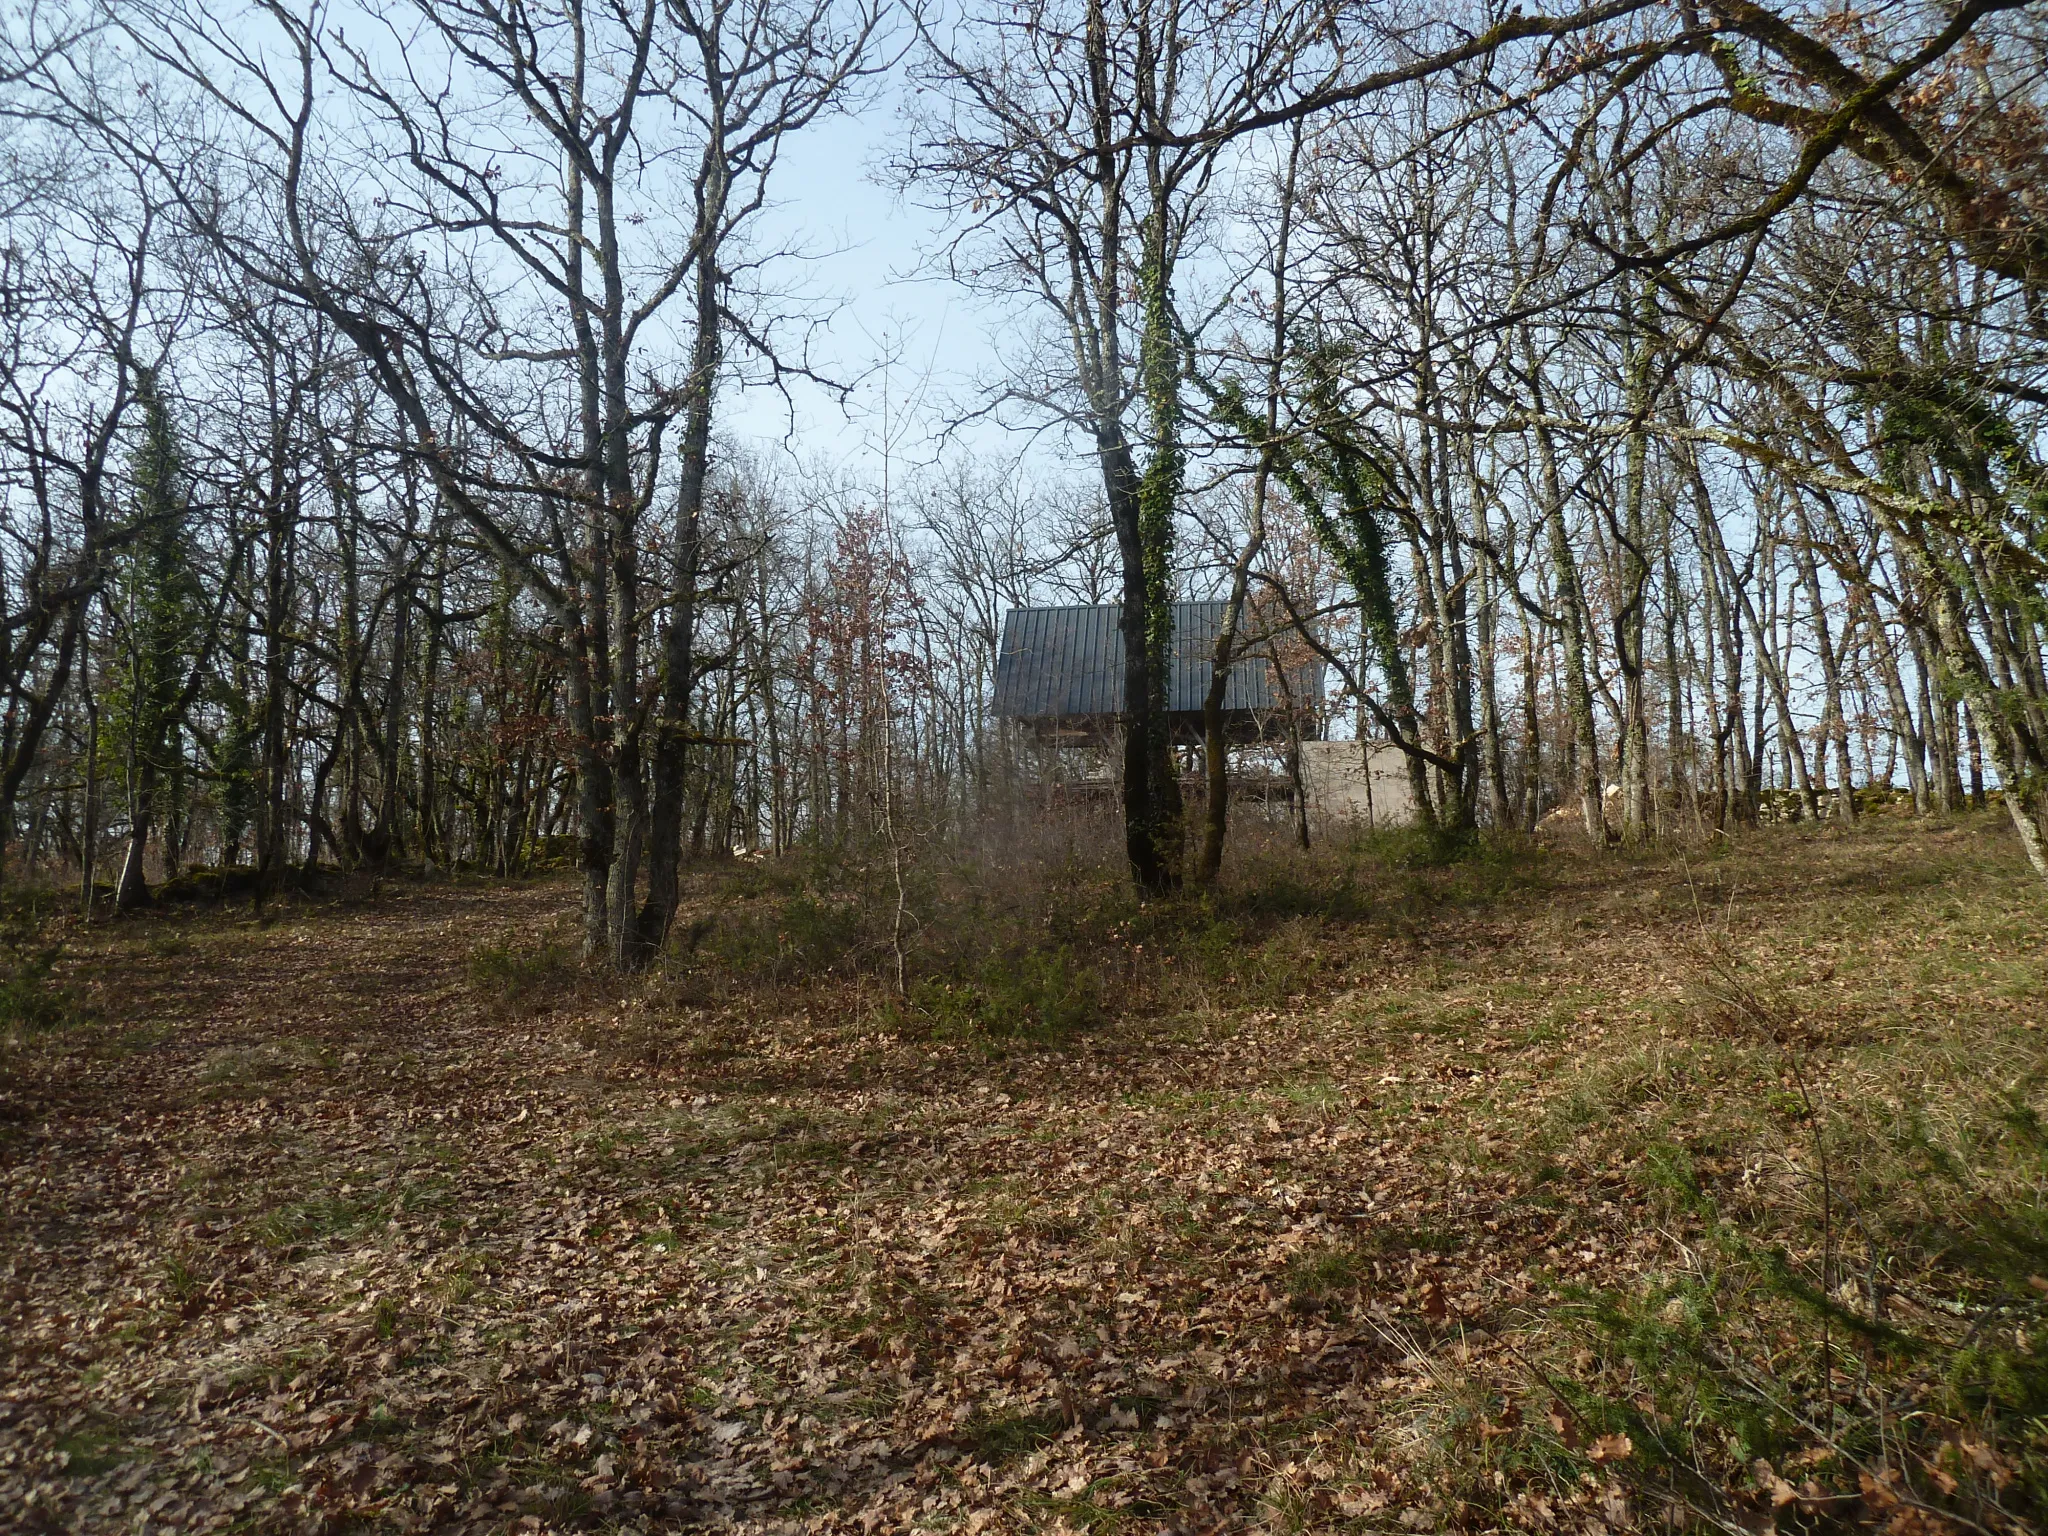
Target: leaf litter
302	1234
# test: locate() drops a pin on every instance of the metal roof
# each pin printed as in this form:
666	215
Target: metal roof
1068	663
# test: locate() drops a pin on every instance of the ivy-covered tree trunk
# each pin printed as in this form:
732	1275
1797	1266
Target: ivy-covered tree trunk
236	752
1153	829
1633	551
1335	468
1215	747
158	600
2014	748
1363	559
34	721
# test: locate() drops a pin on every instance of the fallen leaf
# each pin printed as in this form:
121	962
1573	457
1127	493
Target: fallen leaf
1611	1448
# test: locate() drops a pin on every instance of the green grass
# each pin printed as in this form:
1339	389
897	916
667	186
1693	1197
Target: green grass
519	976
1317	1276
1863	1210
91	1450
1407	1192
1008	1434
247	1071
318	1219
1400	1239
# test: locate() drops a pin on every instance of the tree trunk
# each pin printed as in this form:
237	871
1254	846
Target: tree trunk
386	842
31	729
88	817
1571	616
1532	733
1152	814
671	746
1492	749
133	891
1905	732
1631	620
2019	770
1215	749
277	591
1835	721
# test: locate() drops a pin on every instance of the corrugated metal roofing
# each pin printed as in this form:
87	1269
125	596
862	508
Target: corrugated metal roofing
1066	663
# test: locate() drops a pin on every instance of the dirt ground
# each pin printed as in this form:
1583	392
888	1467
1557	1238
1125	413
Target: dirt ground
305	1229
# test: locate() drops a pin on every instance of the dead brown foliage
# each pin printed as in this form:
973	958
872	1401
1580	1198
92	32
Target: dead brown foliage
306	1229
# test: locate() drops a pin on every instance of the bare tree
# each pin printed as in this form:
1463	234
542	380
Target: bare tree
1075	145
548	189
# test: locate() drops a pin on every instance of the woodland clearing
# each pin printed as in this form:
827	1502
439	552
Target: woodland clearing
1541	1190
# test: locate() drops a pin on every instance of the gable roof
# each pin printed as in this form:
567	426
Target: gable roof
1068	663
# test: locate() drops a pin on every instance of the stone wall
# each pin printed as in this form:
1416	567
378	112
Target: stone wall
1360	783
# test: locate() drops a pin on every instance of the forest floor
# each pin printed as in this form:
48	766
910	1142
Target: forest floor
321	1222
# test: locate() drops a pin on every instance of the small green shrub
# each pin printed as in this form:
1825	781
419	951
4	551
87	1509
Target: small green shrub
1402	1241
1217	950
31	999
315	1220
1318	1277
1003	1436
1238	965
91	1450
1420	847
184	1286
792	938
519	977
1033	995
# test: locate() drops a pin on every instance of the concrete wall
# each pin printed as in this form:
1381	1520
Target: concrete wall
1362	783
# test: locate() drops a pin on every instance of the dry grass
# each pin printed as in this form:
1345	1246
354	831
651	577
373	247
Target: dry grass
1372	1192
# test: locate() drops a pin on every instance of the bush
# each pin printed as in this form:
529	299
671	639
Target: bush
31	999
807	935
1826	1376
1007	939
1034	995
520	977
1237	964
1420	847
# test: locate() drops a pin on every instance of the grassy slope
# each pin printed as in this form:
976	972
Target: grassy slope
1504	1218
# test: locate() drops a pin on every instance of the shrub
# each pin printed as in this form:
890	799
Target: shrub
1420	847
31	999
1822	1376
1239	965
519	977
1038	995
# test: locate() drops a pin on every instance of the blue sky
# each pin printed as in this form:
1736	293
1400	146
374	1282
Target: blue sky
873	273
